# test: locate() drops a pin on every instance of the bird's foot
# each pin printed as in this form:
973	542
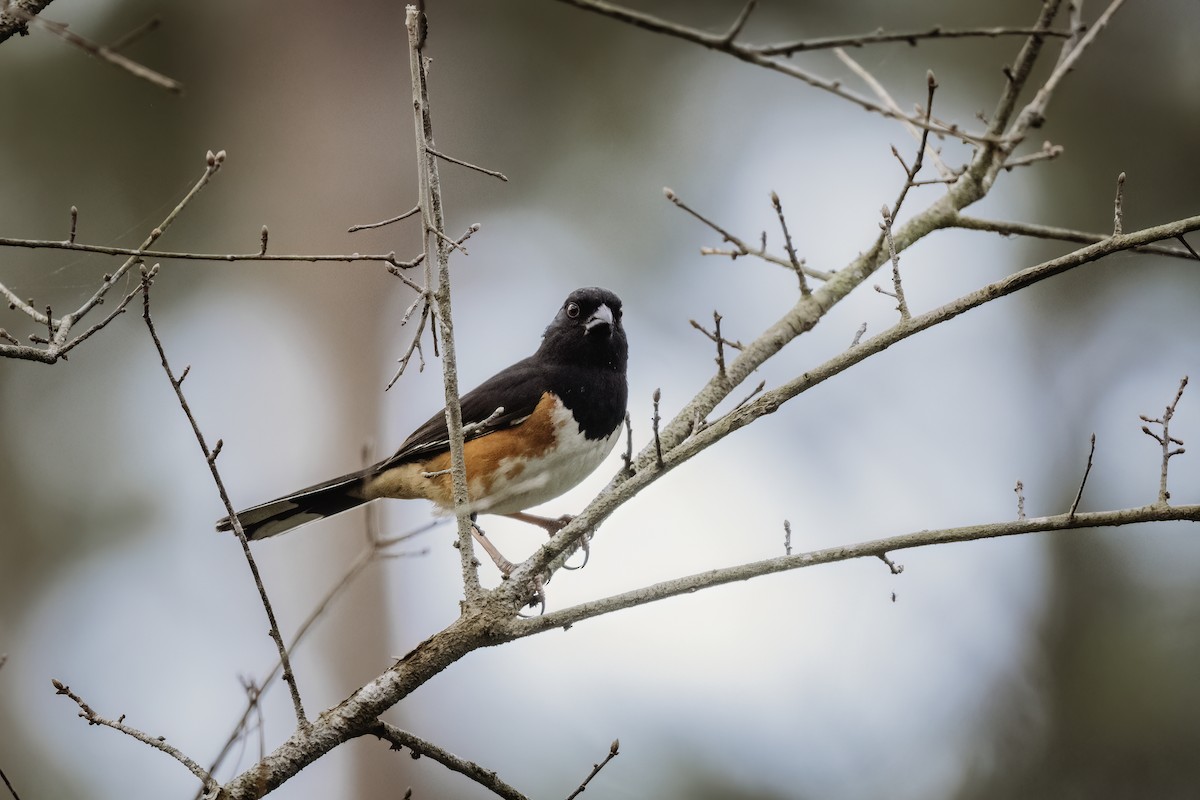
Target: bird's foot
503	564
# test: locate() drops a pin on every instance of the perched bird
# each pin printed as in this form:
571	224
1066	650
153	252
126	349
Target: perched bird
532	431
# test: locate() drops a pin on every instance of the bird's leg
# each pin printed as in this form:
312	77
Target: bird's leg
550	526
553	526
503	564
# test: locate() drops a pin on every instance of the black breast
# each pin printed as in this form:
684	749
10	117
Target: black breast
596	397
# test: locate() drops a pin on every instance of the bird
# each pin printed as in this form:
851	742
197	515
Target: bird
531	432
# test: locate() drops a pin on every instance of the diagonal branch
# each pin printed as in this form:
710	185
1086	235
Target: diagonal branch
421	747
210	456
677	448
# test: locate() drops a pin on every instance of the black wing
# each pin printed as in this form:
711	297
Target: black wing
502	401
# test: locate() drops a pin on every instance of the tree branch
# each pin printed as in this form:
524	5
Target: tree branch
870	549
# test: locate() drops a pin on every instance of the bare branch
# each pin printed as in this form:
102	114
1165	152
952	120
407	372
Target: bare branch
881	36
99	51
1006	228
754	56
870	549
157	742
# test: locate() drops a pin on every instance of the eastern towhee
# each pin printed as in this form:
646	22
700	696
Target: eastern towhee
531	432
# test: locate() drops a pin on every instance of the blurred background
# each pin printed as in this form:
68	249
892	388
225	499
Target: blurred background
1044	666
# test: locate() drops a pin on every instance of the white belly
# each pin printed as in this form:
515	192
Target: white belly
525	482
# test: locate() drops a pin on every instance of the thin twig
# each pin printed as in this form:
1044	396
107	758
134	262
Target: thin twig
881	36
369	225
657	396
753	393
468	164
157	742
614	749
716	337
210	458
148	26
1049	151
787	538
918	133
1020	490
858	335
1118	206
8	785
1188	247
1086	471
734	30
628	456
797	264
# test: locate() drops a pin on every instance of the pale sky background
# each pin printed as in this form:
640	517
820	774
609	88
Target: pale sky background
811	684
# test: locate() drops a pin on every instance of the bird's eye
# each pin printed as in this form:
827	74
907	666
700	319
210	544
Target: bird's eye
572	310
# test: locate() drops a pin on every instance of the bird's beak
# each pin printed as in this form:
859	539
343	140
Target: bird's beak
603	316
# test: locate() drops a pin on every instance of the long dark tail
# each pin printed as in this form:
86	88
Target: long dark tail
299	508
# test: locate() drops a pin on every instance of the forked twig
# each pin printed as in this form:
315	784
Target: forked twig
1166	441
